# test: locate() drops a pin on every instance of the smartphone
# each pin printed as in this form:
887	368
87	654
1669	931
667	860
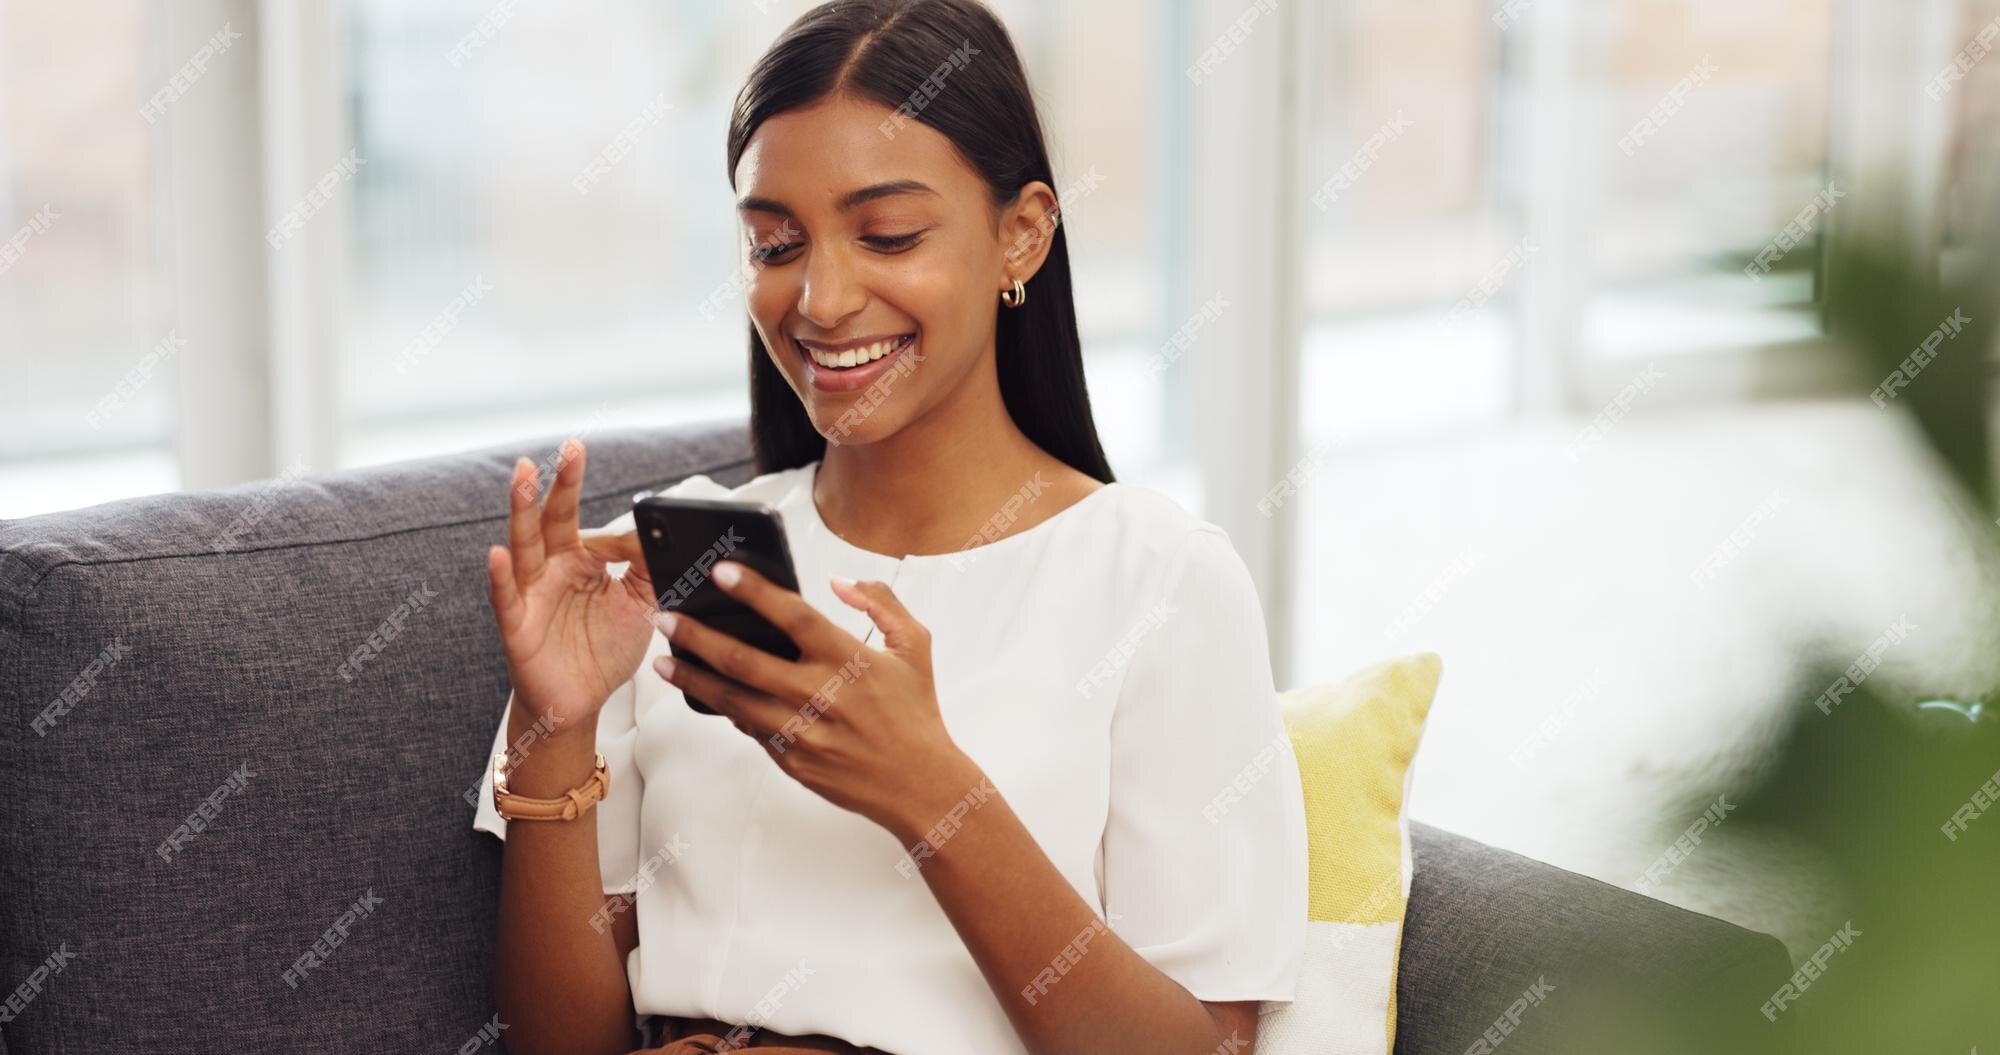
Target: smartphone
684	538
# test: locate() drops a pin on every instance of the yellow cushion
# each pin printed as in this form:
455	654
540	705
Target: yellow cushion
1354	741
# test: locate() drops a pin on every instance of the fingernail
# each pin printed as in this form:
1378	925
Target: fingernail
666	622
843	582
665	665
728	574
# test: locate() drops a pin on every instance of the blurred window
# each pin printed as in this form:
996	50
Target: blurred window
86	352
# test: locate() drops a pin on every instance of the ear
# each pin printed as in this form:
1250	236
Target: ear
1027	230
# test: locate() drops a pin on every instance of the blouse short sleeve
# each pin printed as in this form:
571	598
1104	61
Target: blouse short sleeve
1204	852
617	732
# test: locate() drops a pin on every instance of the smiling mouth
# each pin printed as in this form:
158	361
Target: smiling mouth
856	356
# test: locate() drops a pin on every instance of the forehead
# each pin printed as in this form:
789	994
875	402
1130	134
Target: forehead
809	157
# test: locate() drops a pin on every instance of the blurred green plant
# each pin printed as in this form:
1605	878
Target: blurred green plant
1898	791
1902	794
1926	342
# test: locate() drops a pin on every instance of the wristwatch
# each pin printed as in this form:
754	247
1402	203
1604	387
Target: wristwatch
568	806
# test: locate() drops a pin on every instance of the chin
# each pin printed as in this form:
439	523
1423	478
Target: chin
855	423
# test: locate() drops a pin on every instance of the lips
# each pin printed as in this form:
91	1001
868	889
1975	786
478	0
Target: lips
853	353
849	365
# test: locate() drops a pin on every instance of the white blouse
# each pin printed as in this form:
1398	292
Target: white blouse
1106	668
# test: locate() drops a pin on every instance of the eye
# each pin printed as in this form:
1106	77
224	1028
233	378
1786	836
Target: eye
767	253
892	243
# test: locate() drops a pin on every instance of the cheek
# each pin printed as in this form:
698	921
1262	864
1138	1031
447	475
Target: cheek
768	293
941	289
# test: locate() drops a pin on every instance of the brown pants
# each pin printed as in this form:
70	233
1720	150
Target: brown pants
679	1035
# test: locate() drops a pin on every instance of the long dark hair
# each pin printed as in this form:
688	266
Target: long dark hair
886	50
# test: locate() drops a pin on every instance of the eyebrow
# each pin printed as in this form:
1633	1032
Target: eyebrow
847	201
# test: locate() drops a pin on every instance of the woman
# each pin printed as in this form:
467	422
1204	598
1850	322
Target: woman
1027	788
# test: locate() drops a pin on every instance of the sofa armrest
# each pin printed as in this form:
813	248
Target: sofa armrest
1503	952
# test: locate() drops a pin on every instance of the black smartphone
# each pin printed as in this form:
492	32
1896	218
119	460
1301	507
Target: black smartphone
684	538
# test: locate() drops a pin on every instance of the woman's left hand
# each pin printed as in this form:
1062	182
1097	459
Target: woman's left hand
859	726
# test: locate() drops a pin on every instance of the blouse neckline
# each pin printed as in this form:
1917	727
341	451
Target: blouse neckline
809	508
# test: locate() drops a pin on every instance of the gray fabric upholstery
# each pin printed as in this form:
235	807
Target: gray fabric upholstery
221	624
1618	972
233	657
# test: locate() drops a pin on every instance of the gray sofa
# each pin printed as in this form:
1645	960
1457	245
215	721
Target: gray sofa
239	731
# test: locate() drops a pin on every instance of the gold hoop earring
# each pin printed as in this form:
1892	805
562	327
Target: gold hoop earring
1015	297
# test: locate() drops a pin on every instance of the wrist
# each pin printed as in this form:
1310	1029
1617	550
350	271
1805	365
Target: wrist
547	758
525	727
944	803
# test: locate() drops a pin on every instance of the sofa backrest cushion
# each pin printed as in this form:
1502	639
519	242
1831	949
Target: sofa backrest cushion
238	732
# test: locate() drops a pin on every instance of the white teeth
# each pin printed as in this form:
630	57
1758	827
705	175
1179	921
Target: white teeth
852	357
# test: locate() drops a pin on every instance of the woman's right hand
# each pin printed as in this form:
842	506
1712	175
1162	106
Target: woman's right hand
572	632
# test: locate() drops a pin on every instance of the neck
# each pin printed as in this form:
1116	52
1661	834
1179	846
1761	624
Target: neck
928	487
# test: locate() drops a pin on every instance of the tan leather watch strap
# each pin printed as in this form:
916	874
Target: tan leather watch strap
568	806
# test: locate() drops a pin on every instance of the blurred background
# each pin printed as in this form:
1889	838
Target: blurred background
1489	327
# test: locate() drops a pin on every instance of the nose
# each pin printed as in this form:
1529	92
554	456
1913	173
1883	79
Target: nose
830	293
